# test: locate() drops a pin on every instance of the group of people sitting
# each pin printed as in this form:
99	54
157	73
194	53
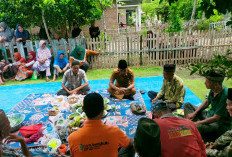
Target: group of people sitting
202	131
40	61
162	135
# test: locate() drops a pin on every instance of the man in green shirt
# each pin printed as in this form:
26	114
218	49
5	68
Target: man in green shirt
213	123
223	145
172	91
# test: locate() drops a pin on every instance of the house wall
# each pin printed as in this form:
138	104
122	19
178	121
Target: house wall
111	20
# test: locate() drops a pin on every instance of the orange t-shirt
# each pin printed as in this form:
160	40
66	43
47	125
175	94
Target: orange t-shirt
96	139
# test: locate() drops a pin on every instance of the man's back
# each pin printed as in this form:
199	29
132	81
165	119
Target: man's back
180	137
96	139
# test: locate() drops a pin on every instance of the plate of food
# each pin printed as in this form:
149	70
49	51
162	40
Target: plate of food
16	121
57	101
105	114
106	104
106	100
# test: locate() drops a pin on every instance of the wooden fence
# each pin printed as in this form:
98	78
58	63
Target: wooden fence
141	50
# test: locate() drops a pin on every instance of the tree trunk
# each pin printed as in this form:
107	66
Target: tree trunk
45	26
104	24
194	9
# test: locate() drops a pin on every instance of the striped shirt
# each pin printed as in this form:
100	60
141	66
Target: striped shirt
74	80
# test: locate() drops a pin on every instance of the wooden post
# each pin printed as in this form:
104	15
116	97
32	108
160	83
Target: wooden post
55	47
29	46
20	49
11	47
83	43
128	49
71	43
140	48
64	46
2	46
36	44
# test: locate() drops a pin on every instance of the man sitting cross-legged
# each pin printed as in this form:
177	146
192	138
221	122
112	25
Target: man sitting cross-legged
125	82
95	139
223	145
172	91
167	135
74	77
215	121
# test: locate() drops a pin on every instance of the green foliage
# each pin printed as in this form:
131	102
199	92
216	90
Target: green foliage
204	24
209	5
229	23
152	8
144	32
174	17
58	13
220	63
131	21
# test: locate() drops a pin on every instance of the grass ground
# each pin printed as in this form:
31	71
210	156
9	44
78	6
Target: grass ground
194	83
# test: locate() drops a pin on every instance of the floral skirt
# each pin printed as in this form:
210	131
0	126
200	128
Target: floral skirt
23	73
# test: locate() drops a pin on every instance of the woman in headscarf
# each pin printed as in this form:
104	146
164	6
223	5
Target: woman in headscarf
12	69
80	54
61	64
6	150
26	70
21	34
3	63
6	34
43	59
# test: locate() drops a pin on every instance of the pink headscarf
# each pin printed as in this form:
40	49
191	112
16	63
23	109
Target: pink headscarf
43	53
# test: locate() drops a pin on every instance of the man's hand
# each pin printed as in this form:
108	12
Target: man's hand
191	116
120	90
154	100
2	63
75	91
71	92
197	123
211	145
14	138
124	89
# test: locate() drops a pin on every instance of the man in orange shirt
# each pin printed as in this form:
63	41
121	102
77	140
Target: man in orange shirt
94	138
124	86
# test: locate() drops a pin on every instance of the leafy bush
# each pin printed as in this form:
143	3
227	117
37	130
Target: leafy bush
174	18
204	24
220	63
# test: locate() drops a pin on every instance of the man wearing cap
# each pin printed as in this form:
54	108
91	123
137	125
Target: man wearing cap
80	54
125	82
214	122
95	138
172	91
171	135
74	77
223	145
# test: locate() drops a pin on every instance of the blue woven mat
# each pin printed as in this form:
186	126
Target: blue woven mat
12	95
36	107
